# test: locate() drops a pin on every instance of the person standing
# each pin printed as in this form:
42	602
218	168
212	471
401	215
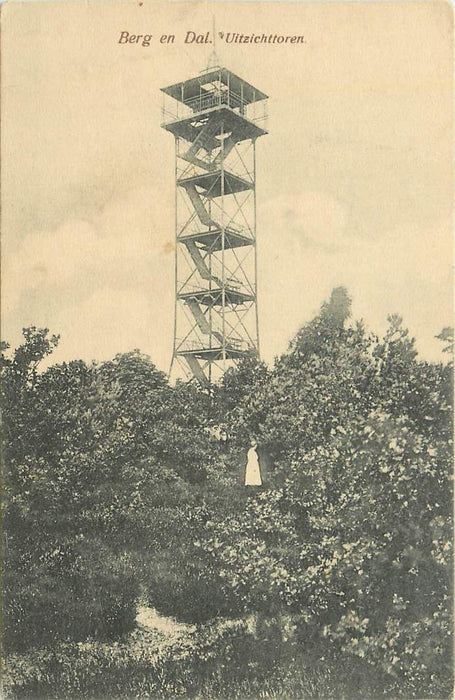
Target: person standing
253	472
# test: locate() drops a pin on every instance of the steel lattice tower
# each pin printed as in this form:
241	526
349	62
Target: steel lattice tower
215	118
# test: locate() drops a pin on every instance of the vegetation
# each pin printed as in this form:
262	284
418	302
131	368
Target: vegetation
333	580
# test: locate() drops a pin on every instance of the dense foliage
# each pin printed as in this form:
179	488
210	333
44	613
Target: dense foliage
117	489
97	458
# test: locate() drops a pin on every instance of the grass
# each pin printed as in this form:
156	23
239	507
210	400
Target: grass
221	660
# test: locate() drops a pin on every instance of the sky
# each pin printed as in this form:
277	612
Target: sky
354	179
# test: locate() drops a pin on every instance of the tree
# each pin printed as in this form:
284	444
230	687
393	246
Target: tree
88	449
446	336
61	579
114	482
352	545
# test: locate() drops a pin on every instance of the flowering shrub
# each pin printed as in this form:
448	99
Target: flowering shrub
342	562
354	542
97	457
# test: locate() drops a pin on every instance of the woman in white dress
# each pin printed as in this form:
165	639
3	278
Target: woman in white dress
253	473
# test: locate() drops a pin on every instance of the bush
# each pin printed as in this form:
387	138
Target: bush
355	538
343	559
96	459
222	660
73	593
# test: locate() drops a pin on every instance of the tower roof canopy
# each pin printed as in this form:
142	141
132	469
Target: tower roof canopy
193	87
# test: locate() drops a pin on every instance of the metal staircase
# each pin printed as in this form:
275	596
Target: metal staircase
215	124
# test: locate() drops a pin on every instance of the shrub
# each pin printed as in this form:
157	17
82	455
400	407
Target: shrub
76	591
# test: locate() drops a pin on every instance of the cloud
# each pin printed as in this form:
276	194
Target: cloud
406	270
112	321
117	259
309	219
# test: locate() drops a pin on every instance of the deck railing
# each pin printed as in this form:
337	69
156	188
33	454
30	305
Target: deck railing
214	98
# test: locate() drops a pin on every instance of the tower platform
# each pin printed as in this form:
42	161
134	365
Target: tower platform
211	183
212	240
189	127
216	353
237	90
214	297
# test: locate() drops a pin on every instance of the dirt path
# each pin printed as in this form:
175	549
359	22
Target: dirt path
149	620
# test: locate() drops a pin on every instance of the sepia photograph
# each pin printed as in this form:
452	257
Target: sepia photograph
227	349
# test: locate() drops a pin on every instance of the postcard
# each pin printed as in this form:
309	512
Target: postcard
227	327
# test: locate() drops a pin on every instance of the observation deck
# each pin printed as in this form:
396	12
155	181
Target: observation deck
241	107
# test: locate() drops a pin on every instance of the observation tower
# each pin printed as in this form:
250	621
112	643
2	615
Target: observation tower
215	119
